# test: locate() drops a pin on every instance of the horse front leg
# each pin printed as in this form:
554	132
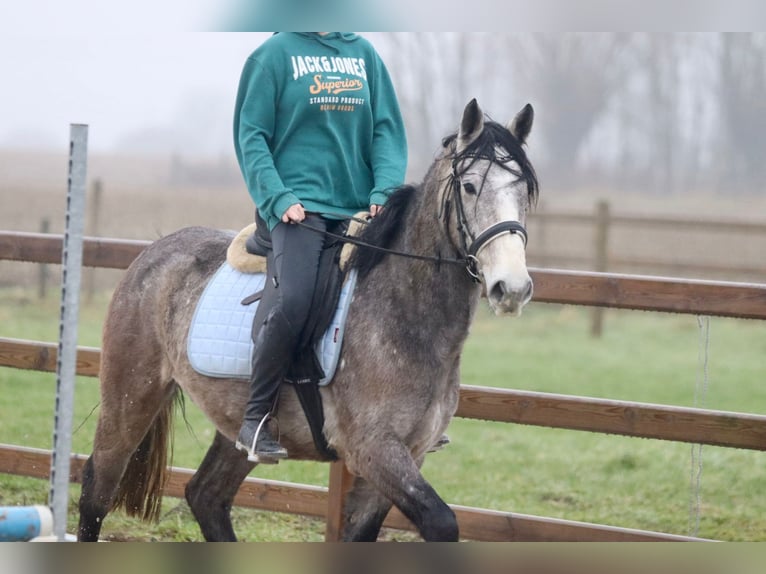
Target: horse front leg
390	468
365	509
211	491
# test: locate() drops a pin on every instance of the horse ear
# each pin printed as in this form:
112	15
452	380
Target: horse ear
522	123
472	123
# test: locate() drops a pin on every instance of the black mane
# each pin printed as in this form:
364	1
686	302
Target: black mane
493	138
382	230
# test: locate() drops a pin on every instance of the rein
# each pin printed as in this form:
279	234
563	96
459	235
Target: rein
470	253
359	242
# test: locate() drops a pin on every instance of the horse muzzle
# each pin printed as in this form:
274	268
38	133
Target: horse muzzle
508	296
503	270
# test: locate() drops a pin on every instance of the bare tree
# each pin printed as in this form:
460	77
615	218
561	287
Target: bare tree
573	78
742	102
639	109
668	111
436	74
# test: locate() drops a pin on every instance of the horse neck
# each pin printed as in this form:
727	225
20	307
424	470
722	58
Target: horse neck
440	295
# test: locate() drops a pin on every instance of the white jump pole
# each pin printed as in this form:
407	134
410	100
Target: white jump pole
67	350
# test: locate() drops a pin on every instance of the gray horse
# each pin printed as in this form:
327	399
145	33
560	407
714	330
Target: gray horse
397	383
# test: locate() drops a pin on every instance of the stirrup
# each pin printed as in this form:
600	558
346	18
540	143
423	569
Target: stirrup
252	456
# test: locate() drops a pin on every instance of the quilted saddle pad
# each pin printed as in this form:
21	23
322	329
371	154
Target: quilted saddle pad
220	344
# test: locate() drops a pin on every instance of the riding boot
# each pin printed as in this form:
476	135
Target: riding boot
273	349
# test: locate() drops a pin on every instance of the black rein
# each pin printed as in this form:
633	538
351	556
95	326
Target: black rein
469	260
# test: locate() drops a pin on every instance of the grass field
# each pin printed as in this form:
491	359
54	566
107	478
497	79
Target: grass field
635	483
647	357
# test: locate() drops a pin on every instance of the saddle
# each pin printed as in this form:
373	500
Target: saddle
305	366
314	362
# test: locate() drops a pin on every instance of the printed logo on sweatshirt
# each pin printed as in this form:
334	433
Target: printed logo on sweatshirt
334	85
303	65
331	80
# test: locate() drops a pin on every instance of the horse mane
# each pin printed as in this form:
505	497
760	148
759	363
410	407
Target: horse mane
382	230
488	145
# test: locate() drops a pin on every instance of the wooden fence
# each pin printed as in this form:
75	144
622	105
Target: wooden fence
646	251
595	241
699	426
602	255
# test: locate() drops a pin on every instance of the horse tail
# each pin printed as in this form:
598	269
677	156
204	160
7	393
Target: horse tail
140	490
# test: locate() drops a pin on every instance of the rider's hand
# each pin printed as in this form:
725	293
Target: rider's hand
375	210
294	214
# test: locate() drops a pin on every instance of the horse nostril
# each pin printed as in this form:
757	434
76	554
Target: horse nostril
529	290
501	292
498	291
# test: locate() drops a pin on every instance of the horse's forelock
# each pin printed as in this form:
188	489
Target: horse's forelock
493	138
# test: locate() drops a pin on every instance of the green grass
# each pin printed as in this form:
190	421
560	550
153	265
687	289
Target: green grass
620	481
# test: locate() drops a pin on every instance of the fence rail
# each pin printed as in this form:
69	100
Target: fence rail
657	221
309	500
718	298
739	430
604	255
683	424
644	293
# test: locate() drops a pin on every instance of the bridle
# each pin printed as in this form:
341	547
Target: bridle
469	252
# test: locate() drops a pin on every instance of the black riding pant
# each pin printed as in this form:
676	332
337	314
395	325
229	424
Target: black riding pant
293	265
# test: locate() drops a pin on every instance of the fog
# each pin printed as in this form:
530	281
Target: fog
137	92
664	113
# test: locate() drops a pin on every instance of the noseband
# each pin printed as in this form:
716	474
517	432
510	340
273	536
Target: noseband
470	252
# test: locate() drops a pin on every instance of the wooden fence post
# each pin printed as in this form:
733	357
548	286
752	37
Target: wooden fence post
601	254
341	481
42	286
93	230
541	238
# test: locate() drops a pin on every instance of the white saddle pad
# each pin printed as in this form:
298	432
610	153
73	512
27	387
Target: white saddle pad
220	343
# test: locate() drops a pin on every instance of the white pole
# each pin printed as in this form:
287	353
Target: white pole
67	350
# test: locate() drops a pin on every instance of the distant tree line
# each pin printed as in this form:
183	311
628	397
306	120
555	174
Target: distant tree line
665	113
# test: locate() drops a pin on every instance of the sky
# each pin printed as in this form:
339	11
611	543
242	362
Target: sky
124	86
147	75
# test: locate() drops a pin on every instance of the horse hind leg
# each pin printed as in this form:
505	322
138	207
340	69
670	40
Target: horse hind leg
396	475
128	465
211	491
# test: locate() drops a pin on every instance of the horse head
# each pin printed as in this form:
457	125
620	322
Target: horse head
493	187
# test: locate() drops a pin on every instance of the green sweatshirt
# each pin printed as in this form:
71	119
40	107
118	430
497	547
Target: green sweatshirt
317	122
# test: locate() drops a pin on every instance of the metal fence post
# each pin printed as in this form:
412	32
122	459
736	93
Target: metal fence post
71	261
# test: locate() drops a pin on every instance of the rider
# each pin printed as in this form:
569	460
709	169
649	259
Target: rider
319	137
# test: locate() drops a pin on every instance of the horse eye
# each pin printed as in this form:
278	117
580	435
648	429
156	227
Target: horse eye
469	188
